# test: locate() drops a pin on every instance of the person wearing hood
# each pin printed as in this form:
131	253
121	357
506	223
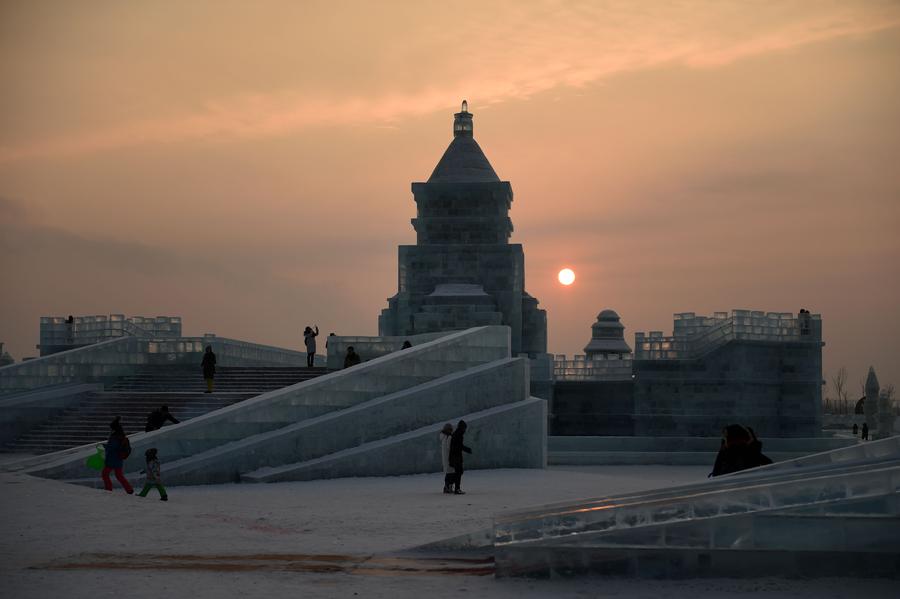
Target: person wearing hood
740	450
118	449
455	457
444	438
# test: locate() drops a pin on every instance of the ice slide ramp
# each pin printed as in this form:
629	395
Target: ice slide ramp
461	374
837	513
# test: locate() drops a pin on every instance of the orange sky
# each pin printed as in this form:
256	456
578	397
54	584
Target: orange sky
247	165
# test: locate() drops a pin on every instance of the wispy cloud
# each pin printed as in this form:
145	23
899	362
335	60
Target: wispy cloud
504	52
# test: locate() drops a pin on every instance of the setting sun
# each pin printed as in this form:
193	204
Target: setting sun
566	276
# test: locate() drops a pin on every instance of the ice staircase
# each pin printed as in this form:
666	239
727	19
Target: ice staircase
380	417
133	397
832	513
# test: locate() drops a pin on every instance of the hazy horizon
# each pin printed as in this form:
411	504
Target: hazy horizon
248	166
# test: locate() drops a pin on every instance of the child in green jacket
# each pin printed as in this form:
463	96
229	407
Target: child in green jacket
153	477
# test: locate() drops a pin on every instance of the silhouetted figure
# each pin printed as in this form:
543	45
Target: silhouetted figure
444	438
739	450
70	330
118	448
153	476
209	368
406	344
158	417
865	431
804	318
756	449
455	459
855	429
352	358
330	335
309	339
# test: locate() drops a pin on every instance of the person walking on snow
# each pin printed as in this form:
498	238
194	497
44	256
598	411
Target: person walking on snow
117	449
153	477
309	339
444	438
455	458
209	368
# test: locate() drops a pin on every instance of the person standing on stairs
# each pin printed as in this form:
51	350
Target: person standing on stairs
209	368
118	448
309	339
456	458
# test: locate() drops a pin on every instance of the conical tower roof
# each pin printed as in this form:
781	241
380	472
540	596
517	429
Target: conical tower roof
463	161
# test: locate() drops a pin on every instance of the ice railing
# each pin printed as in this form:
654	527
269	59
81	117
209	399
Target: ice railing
695	335
832	525
595	368
841	476
791	490
83	330
369	347
124	355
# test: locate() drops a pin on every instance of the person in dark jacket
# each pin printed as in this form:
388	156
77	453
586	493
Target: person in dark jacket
309	340
855	429
756	450
117	449
456	455
865	431
209	368
739	450
158	417
352	358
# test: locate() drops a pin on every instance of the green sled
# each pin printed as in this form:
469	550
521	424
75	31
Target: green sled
98	460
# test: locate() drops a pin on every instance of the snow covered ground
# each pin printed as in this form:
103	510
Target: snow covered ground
333	538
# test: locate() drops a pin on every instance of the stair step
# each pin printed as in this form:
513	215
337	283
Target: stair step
133	397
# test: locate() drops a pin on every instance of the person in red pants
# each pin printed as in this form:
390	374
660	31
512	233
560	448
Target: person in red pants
117	449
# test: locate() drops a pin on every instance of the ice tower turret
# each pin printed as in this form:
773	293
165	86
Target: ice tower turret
871	404
463	272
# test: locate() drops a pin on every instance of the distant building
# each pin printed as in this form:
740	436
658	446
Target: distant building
463	272
607	337
5	358
61	333
761	369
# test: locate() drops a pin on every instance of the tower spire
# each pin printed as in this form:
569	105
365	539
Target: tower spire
462	122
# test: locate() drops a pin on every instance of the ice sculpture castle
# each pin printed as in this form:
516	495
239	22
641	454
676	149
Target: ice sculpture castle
463	272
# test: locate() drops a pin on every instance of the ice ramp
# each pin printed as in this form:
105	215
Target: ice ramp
498	433
457	375
839	515
292	450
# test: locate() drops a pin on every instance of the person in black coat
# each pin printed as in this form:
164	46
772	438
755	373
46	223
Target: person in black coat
456	455
352	358
209	368
739	450
865	431
158	417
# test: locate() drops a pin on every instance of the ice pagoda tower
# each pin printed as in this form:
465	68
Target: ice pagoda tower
463	272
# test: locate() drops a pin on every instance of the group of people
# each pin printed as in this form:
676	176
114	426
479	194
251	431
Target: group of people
117	449
452	448
865	431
